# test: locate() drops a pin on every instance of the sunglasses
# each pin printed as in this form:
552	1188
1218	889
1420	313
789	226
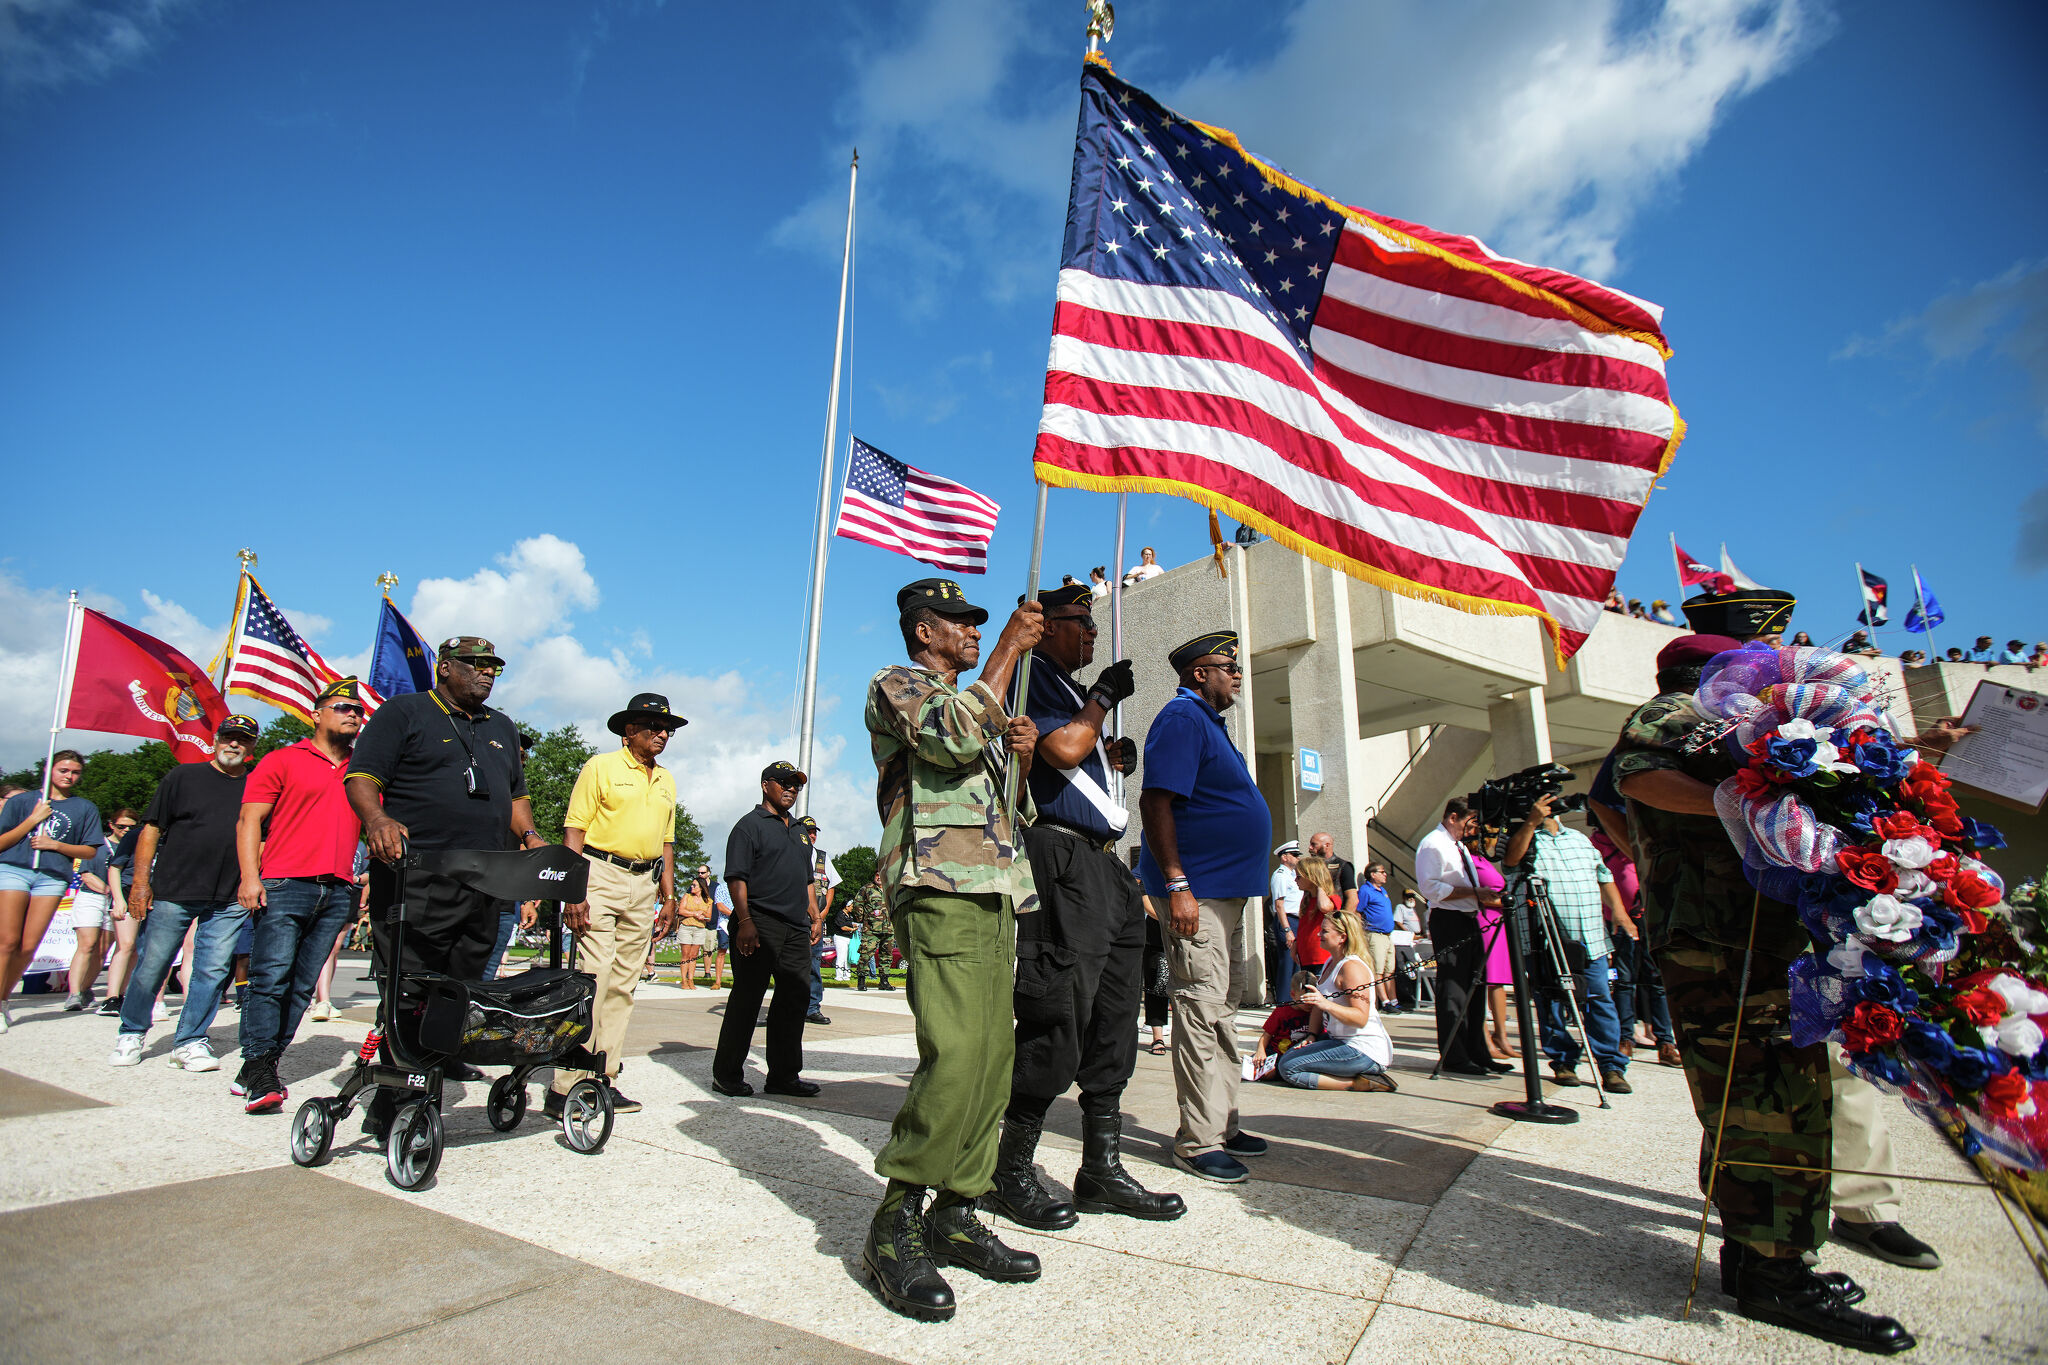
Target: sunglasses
1234	670
1084	621
488	670
346	708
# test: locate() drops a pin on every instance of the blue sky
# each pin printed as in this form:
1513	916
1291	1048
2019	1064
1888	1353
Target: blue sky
531	304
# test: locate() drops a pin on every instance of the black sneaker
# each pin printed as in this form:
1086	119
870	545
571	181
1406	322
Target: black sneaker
1888	1242
620	1104
551	1104
1245	1144
263	1092
110	1005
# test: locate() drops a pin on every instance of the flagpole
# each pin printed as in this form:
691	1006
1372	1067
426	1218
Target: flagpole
810	703
1926	626
1863	597
67	661
1023	683
1116	609
245	557
1674	566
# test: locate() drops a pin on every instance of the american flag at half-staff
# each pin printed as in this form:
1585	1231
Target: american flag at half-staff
273	664
898	507
1397	402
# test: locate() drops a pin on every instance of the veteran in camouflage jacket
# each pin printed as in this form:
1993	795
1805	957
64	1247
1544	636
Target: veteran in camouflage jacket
1698	913
955	880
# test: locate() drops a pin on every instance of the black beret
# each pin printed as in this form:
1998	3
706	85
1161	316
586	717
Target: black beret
1745	613
1689	650
943	596
1219	642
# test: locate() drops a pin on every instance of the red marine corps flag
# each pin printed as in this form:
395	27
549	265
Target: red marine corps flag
128	683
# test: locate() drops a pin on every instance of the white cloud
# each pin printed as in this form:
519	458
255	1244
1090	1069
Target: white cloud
1545	128
31	639
2006	315
529	594
47	44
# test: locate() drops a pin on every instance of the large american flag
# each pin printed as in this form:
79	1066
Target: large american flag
898	507
1398	402
274	664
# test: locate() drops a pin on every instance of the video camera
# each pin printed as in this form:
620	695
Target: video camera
1506	801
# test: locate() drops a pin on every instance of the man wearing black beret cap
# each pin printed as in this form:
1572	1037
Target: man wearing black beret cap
1080	959
1726	954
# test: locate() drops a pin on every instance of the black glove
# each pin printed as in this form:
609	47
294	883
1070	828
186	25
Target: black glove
1113	685
1123	754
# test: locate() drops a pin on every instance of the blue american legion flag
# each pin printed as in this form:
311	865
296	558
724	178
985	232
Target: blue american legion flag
1397	402
899	507
274	664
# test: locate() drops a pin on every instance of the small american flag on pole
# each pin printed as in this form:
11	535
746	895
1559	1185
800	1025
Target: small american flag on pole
273	664
894	506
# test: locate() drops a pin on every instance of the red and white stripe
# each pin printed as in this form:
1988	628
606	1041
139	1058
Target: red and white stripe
1456	438
290	681
942	523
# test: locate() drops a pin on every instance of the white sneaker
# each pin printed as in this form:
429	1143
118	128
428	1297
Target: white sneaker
158	1014
4	1023
321	1012
195	1057
127	1050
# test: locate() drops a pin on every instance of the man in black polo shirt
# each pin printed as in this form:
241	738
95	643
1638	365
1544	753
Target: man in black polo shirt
1080	959
775	920
440	770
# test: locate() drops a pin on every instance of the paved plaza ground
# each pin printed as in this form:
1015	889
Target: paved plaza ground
143	1216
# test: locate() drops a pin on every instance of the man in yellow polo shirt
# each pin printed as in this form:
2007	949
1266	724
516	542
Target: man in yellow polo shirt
622	817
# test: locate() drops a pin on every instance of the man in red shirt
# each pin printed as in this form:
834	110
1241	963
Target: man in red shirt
296	842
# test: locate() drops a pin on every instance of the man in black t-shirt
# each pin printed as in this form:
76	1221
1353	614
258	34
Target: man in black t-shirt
775	920
185	872
440	770
1342	873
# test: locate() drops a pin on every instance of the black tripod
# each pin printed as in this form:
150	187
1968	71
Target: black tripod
1524	900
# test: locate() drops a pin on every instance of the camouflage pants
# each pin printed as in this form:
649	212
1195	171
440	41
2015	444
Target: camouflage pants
875	951
1779	1104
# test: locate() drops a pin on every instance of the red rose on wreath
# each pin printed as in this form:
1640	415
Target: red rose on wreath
1900	824
1974	921
1870	1026
1868	868
1980	1005
1755	784
1922	779
1968	891
2002	1095
1943	867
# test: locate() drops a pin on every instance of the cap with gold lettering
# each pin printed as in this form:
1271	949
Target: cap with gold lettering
943	596
1222	643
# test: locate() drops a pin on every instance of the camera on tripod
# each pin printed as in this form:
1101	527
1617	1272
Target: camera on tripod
1506	801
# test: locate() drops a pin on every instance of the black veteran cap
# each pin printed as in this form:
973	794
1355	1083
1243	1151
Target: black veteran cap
783	774
1745	613
1067	595
341	689
943	596
237	724
471	649
1218	642
649	708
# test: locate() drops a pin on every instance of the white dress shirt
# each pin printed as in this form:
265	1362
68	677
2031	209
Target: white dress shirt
1442	868
1286	892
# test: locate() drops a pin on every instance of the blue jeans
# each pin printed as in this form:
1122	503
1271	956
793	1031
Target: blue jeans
508	924
1640	984
1603	1024
213	956
1300	1065
294	932
818	973
1288	966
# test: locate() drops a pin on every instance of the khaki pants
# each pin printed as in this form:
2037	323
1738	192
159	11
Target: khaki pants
1208	977
1862	1143
613	950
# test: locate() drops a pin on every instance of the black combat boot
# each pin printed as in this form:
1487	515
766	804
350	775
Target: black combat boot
860	976
1846	1289
901	1263
959	1238
1104	1186
1017	1194
1785	1292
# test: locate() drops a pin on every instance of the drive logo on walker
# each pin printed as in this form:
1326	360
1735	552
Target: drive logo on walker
552	874
1311	770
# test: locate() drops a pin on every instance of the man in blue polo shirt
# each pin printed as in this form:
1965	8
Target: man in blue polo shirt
1206	832
1080	959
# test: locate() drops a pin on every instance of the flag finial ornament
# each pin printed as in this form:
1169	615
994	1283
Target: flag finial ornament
387	581
246	557
1101	24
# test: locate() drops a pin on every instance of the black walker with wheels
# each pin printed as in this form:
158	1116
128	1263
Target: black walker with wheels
540	1018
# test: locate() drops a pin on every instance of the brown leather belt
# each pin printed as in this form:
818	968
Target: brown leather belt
630	864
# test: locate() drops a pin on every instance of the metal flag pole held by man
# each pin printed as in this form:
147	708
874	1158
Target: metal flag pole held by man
823	530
